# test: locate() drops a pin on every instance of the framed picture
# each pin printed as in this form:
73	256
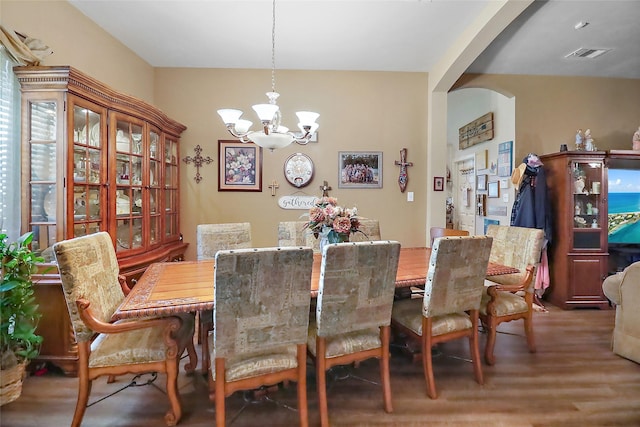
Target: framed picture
493	189
505	151
438	183
481	159
360	169
481	182
239	166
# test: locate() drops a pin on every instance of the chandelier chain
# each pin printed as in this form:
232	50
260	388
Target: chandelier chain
273	48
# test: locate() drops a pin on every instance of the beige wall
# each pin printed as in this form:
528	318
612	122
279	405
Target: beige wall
359	111
79	42
549	109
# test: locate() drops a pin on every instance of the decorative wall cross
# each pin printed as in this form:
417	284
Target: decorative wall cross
198	161
273	186
325	189
404	176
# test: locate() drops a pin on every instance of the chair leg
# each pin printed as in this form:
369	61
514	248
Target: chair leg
427	362
219	387
489	357
84	389
193	357
384	369
173	415
302	385
111	379
528	330
321	379
474	348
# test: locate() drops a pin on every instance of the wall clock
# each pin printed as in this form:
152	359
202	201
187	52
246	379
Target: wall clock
298	169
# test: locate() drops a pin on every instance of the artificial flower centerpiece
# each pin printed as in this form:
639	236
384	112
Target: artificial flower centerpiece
333	222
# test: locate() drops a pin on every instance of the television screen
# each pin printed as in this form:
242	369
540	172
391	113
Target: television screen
624	206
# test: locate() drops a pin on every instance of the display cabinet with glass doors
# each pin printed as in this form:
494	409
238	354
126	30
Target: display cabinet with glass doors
578	254
94	160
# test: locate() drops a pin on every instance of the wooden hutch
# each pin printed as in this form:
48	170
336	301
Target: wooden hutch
94	159
579	254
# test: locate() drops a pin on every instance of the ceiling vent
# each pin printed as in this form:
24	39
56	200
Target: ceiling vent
584	52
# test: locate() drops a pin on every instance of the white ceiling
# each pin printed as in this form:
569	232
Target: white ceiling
372	35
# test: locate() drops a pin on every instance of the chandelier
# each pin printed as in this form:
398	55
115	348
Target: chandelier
272	135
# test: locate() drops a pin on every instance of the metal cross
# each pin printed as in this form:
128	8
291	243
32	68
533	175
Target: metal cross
198	161
404	176
325	189
273	186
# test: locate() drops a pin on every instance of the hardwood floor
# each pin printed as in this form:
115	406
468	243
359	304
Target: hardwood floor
573	380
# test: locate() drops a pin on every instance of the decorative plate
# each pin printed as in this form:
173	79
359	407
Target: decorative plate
298	169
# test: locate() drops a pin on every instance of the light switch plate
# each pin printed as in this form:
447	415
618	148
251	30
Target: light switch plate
410	196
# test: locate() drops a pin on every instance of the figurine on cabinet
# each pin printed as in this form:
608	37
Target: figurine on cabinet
579	184
589	208
589	145
636	140
579	140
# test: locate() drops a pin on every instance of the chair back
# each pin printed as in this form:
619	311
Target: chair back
456	274
89	270
292	233
356	288
436	232
370	231
211	238
261	299
516	247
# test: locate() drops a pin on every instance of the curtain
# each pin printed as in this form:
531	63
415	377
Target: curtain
22	49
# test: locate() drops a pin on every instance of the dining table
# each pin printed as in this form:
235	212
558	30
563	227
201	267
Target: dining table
170	288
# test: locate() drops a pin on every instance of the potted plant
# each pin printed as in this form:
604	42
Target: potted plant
19	314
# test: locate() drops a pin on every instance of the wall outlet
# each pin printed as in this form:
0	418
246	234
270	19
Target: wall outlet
410	196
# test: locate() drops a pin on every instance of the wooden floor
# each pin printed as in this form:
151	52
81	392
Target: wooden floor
573	380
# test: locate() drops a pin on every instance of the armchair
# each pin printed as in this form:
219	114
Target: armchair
517	247
89	274
623	289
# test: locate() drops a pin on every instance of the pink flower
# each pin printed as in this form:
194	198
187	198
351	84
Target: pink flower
342	224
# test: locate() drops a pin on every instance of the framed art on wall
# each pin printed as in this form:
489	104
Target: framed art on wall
360	169
493	189
438	183
481	182
239	166
505	165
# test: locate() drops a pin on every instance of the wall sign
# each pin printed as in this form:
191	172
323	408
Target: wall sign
479	130
297	202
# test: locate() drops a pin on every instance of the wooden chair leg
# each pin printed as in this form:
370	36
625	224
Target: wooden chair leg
193	357
111	379
489	357
173	415
474	349
384	369
220	397
302	385
84	389
528	330
427	362
321	379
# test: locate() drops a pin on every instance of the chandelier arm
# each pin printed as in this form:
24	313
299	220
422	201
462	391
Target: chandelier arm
241	136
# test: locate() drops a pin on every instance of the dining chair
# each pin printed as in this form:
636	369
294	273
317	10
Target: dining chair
353	311
261	313
89	273
210	238
511	295
436	232
449	308
369	230
292	233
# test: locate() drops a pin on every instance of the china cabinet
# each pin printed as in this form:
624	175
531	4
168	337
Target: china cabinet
578	255
94	160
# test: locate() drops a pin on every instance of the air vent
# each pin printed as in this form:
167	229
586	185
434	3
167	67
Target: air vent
584	52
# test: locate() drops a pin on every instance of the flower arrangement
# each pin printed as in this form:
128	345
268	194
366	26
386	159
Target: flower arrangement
333	222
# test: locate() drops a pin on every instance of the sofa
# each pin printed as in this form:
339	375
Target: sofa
623	290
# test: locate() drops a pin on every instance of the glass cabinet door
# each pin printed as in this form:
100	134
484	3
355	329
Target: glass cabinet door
170	189
154	185
89	168
589	212
127	134
43	187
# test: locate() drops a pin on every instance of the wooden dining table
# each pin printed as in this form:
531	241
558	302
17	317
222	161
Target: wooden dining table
170	288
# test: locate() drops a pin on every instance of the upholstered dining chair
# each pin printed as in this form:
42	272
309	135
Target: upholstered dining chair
449	308
261	313
370	230
89	274
436	232
511	296
210	238
353	311
292	233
